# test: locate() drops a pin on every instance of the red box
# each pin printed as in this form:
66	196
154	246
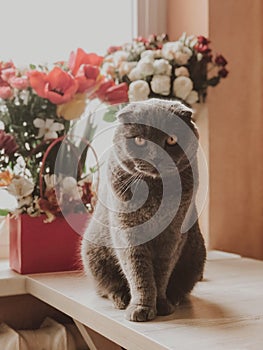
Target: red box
37	247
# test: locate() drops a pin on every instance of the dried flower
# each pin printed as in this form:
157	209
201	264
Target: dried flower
8	144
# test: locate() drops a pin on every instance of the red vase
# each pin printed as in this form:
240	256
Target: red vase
37	247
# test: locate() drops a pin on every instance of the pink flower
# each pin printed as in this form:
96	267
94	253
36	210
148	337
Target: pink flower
5	92
8	73
19	83
113	49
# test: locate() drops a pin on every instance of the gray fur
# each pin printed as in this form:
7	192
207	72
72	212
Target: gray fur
144	272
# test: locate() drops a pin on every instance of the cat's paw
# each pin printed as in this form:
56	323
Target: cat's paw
120	299
140	313
164	307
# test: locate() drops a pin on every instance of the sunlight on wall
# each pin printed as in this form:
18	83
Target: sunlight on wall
37	31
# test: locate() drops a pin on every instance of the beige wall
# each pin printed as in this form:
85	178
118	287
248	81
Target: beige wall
190	16
236	129
235	110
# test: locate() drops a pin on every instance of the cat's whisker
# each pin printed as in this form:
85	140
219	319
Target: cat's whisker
127	184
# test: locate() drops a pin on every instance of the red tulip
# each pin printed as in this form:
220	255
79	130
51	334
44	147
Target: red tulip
81	57
117	94
88	77
57	86
101	92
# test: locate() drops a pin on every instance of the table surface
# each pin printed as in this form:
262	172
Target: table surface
225	311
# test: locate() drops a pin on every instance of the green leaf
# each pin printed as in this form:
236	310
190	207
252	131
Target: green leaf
4	212
32	66
110	115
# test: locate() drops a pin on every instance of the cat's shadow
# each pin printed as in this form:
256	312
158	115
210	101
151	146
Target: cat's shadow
197	310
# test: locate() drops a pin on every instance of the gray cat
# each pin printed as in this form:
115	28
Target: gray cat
143	246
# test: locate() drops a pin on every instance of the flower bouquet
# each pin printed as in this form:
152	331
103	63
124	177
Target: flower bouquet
156	67
38	109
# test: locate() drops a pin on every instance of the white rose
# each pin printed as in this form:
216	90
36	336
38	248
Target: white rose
162	66
135	74
138	91
181	71
126	67
182	56
146	67
192	97
182	87
161	84
169	49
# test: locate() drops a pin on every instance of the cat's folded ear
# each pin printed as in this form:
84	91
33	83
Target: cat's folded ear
125	115
181	110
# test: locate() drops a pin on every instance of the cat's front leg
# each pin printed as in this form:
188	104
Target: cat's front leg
136	263
164	264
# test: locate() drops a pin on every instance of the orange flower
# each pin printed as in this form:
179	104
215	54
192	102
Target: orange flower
5	178
57	86
88	77
81	57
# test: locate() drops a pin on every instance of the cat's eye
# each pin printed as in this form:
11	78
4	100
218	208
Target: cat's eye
172	140
140	141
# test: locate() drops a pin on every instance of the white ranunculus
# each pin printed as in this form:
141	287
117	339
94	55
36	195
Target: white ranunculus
135	74
126	67
109	68
162	66
181	71
146	67
150	54
182	56
191	41
120	56
157	53
138	91
161	84
169	49
182	87
192	97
